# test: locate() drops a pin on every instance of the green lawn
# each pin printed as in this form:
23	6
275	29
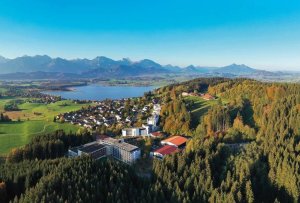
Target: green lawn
35	119
199	108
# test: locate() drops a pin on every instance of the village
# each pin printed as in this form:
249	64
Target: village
124	112
122	148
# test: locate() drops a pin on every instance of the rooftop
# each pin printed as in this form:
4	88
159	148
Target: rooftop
165	150
126	146
176	140
91	147
208	96
157	134
119	143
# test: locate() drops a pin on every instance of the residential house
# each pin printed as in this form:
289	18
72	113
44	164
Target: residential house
185	94
208	97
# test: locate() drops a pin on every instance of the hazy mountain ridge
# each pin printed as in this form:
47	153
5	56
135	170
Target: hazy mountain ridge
45	66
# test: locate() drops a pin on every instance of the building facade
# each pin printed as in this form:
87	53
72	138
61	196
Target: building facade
108	146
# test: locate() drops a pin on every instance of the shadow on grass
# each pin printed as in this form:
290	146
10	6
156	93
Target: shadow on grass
197	115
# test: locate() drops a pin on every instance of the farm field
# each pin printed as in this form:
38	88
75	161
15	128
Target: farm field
33	119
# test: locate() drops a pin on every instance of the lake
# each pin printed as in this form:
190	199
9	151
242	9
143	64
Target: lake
101	92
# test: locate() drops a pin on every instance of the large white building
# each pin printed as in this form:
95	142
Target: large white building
121	150
94	149
108	146
146	129
153	120
156	109
134	132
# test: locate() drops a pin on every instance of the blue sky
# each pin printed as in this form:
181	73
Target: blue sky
260	33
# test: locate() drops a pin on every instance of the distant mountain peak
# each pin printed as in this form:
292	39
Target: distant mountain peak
238	65
191	66
148	63
103	58
102	66
236	69
3	59
126	59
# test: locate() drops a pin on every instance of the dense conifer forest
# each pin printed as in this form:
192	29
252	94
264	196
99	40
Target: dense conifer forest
245	148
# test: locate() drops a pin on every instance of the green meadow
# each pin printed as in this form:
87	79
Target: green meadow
199	107
33	119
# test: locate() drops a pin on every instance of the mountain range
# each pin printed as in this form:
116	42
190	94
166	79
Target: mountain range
43	67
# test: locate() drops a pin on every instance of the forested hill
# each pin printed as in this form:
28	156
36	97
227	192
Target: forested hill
244	147
262	119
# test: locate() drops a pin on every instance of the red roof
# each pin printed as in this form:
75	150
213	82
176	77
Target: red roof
176	140
208	97
156	134
165	150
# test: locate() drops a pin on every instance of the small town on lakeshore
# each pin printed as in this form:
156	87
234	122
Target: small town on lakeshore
126	122
125	112
114	112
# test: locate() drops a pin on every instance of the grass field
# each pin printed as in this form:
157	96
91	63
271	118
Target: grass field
35	119
199	108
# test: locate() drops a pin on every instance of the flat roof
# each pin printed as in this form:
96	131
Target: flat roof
91	147
119	143
126	146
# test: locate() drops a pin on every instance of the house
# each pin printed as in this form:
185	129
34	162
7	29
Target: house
163	151
118	117
208	97
176	141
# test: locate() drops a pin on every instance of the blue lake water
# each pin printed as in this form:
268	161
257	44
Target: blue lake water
101	92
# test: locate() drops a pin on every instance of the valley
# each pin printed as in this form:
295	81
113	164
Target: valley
216	130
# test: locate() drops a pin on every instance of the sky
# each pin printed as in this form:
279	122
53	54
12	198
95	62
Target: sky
259	33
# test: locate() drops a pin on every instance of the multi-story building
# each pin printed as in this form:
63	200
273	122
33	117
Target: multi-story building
108	146
153	120
121	150
145	130
94	149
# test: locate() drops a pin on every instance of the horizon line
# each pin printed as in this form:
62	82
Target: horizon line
135	61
